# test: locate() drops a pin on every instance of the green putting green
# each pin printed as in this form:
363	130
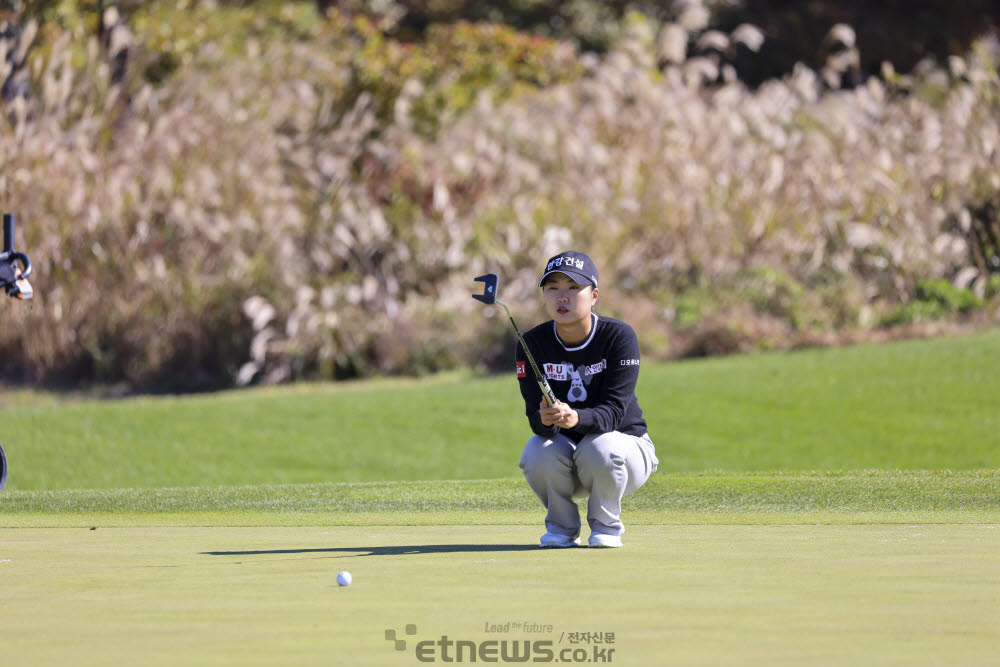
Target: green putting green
687	594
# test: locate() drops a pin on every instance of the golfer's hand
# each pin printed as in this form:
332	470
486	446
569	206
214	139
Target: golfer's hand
560	414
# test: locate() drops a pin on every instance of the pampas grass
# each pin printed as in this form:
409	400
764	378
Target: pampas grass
259	216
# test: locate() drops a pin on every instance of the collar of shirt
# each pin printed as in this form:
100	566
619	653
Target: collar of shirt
586	342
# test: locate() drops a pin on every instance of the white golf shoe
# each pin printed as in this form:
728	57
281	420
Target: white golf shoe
598	541
556	541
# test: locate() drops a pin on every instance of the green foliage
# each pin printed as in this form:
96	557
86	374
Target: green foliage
593	24
935	299
687	311
944	293
437	79
993	286
772	292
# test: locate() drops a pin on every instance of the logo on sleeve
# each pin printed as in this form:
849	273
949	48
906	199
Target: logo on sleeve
522	372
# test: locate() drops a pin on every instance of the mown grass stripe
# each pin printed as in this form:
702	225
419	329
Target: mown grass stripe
866	491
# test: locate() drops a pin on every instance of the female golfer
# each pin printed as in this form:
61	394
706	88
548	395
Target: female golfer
593	441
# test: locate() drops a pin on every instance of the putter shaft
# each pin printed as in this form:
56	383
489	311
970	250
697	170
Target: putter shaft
543	384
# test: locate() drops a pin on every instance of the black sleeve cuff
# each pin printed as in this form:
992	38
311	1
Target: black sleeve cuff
541	429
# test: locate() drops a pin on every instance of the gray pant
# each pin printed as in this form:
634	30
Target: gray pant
607	467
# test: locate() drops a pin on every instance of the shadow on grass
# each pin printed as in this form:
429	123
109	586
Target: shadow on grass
386	551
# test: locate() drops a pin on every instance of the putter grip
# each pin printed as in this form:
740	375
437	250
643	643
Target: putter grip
8	232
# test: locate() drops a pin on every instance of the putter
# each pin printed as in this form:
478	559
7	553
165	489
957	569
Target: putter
14	281
14	269
489	297
14	278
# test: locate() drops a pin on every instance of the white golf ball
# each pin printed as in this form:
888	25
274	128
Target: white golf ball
344	578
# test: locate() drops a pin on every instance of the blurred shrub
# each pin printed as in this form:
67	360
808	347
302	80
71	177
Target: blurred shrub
935	299
431	82
951	298
993	286
592	24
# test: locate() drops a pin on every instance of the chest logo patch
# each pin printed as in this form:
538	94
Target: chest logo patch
578	377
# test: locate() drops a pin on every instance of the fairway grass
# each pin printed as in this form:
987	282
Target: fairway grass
917	405
912	594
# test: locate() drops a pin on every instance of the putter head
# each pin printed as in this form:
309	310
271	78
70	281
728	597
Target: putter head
21	289
489	295
14	278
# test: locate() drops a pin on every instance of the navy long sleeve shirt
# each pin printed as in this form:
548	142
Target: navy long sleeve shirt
596	377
